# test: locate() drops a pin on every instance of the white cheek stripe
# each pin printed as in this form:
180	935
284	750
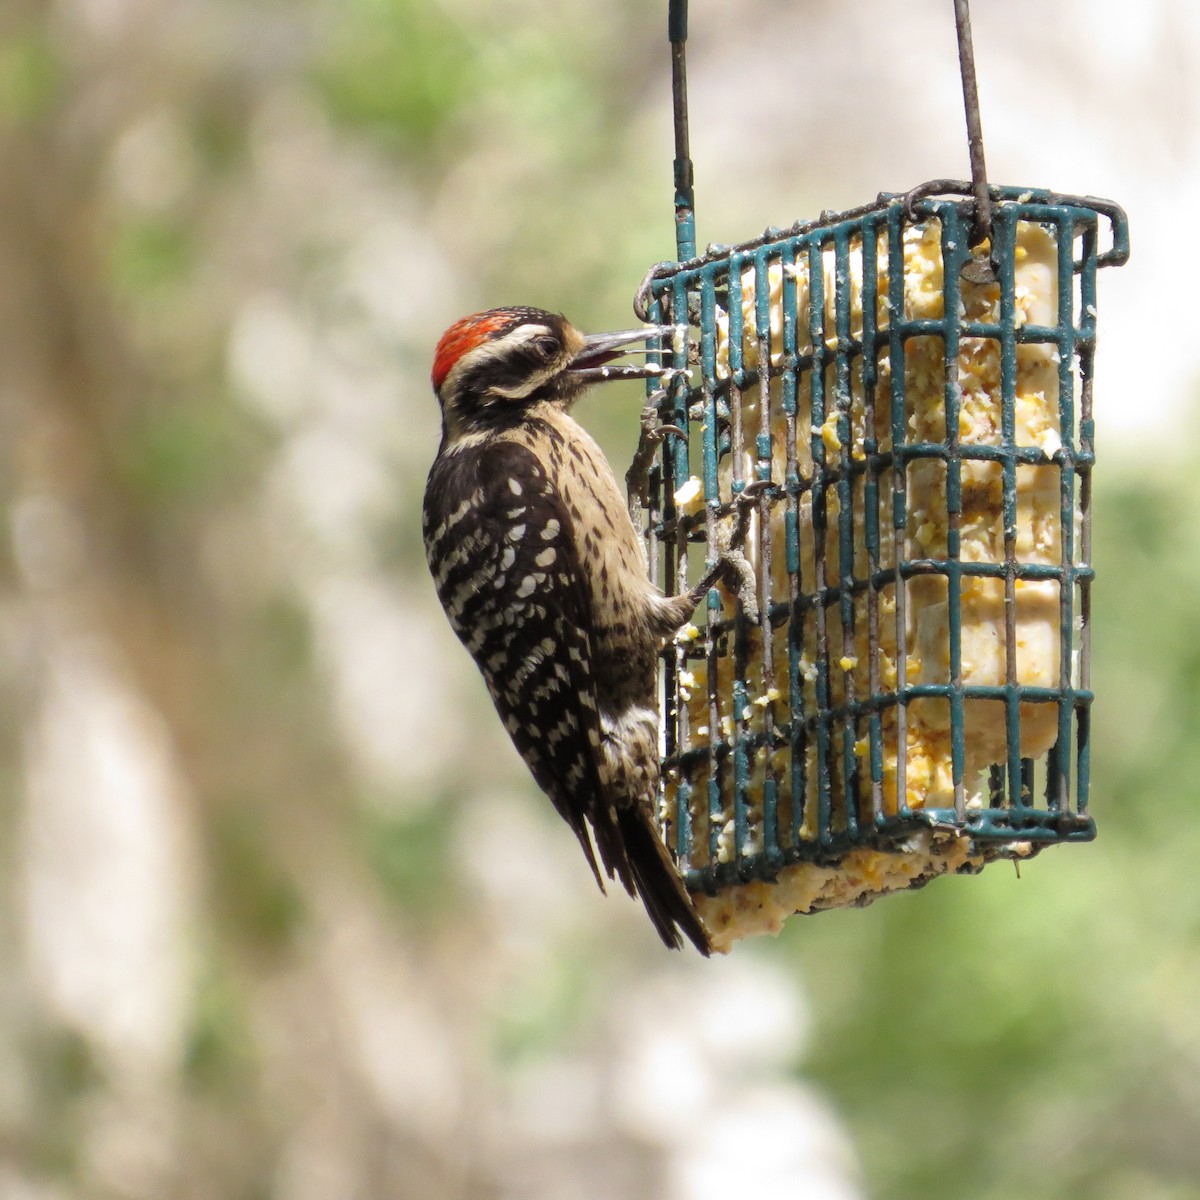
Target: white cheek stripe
525	389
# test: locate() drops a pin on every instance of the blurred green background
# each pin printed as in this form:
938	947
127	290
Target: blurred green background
281	914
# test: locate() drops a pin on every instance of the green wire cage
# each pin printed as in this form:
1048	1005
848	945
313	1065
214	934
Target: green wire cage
895	406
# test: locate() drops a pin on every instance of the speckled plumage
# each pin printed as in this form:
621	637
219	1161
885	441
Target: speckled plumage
543	577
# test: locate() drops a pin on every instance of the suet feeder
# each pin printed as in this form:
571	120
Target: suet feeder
895	403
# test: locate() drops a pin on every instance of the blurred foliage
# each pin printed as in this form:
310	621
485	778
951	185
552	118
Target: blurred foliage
398	69
261	904
29	77
150	254
218	1054
65	1076
412	855
182	452
547	1013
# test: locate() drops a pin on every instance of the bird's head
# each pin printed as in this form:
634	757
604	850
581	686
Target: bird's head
491	368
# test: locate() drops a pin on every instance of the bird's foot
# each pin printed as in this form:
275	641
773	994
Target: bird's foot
743	507
637	478
732	567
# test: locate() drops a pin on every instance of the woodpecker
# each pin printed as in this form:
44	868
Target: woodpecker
543	577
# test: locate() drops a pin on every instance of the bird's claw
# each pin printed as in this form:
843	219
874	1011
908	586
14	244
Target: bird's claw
908	203
733	569
662	431
654	429
755	488
743	507
739	574
638	475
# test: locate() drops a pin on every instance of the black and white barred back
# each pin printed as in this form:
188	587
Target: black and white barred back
541	579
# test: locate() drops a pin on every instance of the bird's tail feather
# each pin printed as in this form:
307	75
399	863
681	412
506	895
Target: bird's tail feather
631	849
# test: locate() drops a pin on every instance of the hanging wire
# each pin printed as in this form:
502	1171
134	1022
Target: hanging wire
685	200
976	270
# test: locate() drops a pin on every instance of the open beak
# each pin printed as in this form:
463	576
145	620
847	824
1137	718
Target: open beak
600	349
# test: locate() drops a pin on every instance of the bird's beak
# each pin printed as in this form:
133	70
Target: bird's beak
600	349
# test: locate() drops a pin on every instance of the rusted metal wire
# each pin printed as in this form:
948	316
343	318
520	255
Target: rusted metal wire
982	225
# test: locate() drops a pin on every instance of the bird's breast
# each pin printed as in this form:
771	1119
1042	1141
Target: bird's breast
612	559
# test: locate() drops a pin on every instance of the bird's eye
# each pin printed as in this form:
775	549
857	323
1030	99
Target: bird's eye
547	346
